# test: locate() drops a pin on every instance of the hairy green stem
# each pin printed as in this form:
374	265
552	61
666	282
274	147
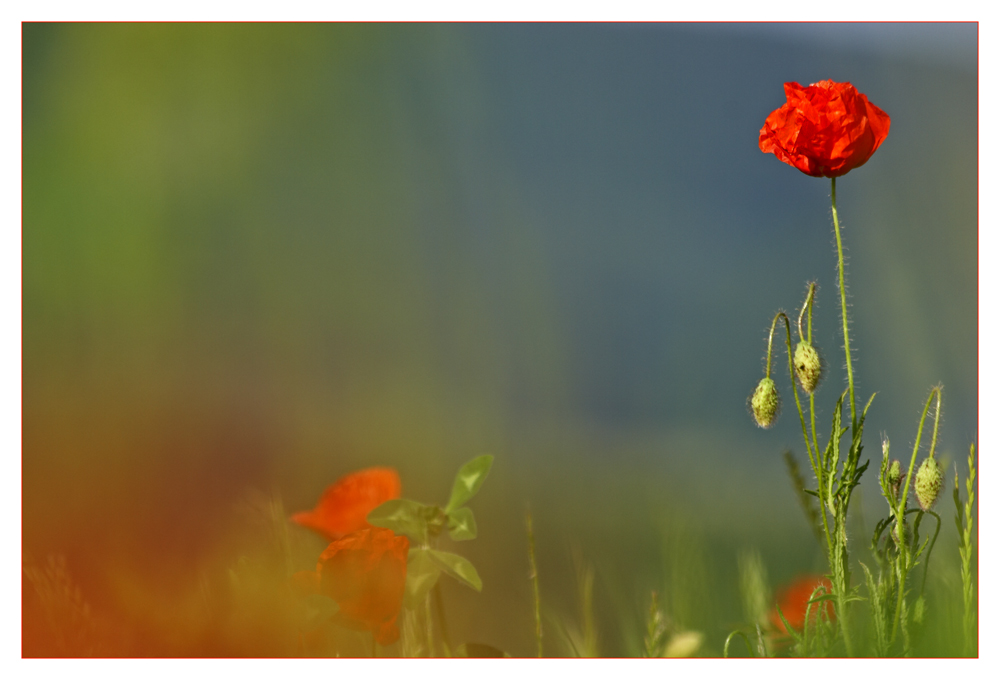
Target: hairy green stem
905	554
841	588
791	375
816	462
843	301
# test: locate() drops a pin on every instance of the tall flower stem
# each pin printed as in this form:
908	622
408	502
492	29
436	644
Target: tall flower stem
906	558
843	300
842	587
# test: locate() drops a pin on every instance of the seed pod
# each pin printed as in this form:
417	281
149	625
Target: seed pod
808	366
765	402
930	476
895	477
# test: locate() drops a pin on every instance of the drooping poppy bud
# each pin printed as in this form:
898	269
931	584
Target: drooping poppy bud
765	403
930	477
808	366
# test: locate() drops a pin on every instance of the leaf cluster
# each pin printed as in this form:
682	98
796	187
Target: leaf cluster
424	524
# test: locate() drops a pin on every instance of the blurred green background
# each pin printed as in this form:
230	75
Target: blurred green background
259	256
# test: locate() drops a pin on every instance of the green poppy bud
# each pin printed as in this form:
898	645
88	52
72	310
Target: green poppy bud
930	476
808	366
765	402
895	476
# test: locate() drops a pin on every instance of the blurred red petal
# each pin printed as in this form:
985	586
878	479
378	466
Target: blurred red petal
345	504
365	572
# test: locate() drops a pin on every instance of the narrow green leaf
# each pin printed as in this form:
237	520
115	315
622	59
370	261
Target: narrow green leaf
458	567
788	628
421	575
832	454
725	648
468	480
461	524
821	598
402	516
879	528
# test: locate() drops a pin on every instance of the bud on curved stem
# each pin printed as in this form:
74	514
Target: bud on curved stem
808	366
765	403
766	394
927	487
807	305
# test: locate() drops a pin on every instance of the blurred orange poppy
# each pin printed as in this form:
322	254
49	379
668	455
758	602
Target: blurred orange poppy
365	573
345	504
794	598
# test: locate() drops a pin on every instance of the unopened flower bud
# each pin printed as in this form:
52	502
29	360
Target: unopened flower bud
895	476
928	485
808	366
764	403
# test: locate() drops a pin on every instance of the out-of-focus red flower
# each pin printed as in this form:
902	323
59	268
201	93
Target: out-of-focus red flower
345	504
365	572
793	600
824	130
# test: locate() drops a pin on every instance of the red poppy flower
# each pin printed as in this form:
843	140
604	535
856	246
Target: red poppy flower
345	504
824	130
365	572
794	598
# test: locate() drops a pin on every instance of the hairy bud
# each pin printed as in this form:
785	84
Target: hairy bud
765	402
808	366
895	476
930	477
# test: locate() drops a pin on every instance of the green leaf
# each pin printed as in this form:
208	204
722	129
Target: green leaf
832	454
402	516
725	649
458	567
421	575
475	650
821	598
467	482
462	525
788	627
879	528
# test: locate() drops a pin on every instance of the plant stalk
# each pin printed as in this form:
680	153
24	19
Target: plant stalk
843	301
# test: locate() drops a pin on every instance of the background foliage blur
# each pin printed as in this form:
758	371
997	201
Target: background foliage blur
257	257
